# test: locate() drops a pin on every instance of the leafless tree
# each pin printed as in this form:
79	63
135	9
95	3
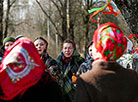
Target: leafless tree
9	5
62	8
1	23
129	9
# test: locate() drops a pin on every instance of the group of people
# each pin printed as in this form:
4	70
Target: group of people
29	73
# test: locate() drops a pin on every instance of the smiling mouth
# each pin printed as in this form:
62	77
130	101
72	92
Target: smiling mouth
67	53
39	50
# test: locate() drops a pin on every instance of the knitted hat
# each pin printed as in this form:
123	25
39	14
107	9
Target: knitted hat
110	41
7	39
19	36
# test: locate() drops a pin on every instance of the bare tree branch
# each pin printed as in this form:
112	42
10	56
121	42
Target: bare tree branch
60	3
17	24
12	3
60	11
129	9
57	31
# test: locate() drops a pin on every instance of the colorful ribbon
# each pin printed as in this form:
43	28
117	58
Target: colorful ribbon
97	10
135	47
136	35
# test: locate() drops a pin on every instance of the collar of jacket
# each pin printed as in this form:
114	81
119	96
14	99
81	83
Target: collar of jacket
109	65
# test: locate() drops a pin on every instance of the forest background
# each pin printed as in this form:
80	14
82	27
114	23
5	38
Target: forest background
57	20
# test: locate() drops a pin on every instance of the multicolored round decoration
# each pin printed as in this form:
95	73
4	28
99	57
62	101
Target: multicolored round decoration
110	41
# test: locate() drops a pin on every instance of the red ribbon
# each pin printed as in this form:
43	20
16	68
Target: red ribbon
111	10
136	35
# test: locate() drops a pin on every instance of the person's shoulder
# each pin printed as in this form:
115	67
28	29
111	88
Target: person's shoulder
52	60
59	57
83	64
80	59
131	72
87	76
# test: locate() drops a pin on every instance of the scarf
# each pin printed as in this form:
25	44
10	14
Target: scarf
66	59
110	41
20	69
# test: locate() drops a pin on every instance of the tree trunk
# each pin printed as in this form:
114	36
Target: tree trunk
64	22
71	23
9	5
129	9
86	33
1	23
7	19
86	23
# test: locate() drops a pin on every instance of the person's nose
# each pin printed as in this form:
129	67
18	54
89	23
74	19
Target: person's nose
67	49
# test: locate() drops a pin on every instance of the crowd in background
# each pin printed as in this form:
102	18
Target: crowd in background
108	74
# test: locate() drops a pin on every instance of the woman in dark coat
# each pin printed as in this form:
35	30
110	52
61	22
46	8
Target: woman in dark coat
41	44
69	61
108	81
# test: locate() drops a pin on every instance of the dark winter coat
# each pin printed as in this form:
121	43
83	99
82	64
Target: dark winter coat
51	65
67	69
46	90
107	82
